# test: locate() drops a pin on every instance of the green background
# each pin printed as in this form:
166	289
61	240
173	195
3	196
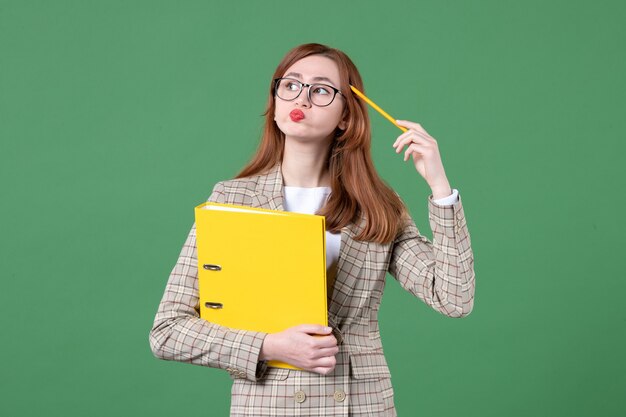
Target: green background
117	118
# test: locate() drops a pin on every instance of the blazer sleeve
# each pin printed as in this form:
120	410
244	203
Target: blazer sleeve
440	273
179	334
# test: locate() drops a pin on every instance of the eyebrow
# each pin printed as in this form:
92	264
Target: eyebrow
298	75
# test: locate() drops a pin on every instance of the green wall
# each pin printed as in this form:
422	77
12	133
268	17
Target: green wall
117	117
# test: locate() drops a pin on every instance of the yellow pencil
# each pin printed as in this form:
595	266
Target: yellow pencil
378	109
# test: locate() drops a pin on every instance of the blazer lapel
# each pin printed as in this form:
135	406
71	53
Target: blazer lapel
269	190
349	266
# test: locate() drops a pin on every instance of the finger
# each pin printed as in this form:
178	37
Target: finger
325	341
322	370
325	352
412	139
415	126
313	329
403	136
415	149
411	133
325	362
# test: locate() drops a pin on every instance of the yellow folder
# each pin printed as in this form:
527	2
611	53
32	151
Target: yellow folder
261	270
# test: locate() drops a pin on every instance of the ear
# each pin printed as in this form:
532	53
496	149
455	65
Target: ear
342	124
344	119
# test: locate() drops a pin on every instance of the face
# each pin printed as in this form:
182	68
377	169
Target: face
318	122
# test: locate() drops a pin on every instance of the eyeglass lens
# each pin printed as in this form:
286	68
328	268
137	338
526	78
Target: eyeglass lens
320	94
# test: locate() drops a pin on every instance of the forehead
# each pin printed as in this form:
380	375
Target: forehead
315	66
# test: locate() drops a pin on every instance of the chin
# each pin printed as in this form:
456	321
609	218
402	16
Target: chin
302	132
293	130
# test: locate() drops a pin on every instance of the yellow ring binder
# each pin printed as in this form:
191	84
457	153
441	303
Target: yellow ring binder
272	268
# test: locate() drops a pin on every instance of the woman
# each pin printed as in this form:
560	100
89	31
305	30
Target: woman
314	157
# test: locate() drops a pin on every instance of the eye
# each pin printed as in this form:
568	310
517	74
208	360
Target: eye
292	86
321	90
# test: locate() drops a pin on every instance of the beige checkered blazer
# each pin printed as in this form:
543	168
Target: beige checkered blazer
440	273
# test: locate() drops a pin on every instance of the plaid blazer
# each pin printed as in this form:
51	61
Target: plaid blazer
440	273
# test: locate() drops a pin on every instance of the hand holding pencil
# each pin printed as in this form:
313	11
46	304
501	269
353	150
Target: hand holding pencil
421	146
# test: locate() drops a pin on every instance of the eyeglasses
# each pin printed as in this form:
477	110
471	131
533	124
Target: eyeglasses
289	89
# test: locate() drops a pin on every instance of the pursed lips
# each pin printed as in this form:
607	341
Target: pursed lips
296	115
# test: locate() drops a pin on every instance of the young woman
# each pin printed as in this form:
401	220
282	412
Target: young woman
314	157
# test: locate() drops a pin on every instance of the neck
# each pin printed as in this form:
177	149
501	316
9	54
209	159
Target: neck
304	164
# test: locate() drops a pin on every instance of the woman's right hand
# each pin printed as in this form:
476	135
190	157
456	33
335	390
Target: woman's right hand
298	347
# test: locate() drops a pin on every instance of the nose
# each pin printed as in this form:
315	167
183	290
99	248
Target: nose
303	98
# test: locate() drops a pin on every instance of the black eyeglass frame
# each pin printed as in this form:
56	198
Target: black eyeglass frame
308	92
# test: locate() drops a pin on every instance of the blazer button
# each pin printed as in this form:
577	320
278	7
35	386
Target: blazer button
299	396
339	395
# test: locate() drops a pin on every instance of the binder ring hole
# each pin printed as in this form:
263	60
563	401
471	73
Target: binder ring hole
212	267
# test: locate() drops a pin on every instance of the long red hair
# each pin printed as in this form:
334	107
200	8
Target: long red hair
357	190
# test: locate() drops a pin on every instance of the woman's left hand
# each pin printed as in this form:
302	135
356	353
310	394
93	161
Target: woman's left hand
425	152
